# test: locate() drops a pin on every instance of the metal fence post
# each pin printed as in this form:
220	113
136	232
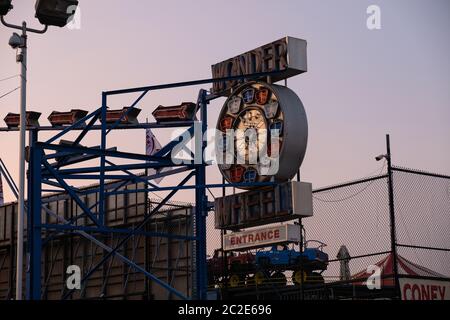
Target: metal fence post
223	232
302	269
201	201
300	222
392	216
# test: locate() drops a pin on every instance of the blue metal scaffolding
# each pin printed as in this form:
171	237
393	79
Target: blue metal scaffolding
45	170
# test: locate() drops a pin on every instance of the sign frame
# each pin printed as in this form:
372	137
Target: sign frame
284	202
287	57
262	237
421	287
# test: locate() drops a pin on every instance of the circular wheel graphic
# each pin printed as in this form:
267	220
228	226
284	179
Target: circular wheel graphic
264	133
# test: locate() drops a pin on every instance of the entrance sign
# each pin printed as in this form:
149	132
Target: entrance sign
287	55
257	238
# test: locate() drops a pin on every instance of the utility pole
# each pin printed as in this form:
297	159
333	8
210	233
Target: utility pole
49	13
20	42
22	59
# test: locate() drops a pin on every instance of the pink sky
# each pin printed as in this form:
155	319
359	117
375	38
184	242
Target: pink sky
360	85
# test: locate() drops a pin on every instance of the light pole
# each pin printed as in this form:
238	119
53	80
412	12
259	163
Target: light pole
20	42
49	13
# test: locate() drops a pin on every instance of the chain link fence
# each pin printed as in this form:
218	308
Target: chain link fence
422	211
357	215
354	215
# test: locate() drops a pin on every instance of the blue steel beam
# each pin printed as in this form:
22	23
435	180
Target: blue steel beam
101	194
126	112
114	186
34	224
72	159
97	127
68	227
163	153
87	128
100	152
132	178
164	162
131	174
71	192
57	185
196	186
77	124
64	160
33	136
9	180
168	147
128	237
51	190
192	83
118	185
137	166
119	256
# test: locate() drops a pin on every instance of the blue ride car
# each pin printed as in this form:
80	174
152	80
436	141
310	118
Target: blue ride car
313	258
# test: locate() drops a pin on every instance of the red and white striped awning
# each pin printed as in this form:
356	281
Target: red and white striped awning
405	267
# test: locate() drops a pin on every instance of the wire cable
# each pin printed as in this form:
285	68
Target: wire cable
9	92
355	194
11	77
211	193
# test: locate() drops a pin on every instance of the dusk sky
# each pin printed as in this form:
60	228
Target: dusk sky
360	84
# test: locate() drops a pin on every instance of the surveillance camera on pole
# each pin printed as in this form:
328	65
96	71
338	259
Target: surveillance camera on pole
49	13
16	41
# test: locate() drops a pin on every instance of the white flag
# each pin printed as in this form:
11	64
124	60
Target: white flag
152	146
2	200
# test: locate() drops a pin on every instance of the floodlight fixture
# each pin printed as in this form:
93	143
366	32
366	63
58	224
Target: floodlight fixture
5	6
55	12
58	118
183	112
126	116
12	120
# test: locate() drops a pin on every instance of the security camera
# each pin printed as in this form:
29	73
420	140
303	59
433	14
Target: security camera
380	157
16	41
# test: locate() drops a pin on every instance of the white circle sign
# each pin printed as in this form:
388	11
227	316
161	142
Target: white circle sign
265	129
